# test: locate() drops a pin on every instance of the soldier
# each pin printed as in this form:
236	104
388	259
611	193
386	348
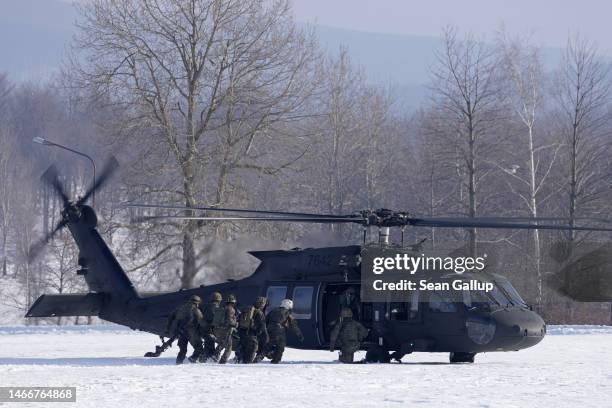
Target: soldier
207	329
224	324
350	298
278	321
184	323
350	333
252	329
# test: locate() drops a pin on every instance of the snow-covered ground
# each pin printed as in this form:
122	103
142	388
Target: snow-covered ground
571	367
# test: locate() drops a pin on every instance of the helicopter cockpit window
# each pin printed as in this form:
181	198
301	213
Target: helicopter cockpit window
438	302
275	295
478	297
302	302
500	297
509	290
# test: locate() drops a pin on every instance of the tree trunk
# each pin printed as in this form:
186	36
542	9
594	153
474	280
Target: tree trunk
189	256
534	213
189	264
472	187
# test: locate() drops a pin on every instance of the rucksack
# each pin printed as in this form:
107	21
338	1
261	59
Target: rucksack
245	321
219	317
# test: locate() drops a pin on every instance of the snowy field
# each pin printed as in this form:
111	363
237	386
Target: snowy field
571	367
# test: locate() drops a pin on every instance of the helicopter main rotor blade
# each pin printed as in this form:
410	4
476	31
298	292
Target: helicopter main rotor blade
485	223
51	177
235	210
36	248
534	219
380	218
109	168
320	220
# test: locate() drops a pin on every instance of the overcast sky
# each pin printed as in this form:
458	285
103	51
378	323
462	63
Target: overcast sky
550	20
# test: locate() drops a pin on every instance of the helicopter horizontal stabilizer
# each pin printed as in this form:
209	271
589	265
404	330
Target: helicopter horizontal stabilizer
77	304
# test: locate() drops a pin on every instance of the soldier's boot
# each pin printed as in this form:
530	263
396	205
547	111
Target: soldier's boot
249	357
180	357
196	356
346	357
277	355
259	357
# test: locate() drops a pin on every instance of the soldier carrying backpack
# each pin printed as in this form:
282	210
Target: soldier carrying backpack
224	324
207	327
252	330
184	323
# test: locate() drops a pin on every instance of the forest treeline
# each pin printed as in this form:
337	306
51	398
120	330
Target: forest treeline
229	103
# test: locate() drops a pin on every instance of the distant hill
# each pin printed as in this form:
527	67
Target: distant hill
35	33
386	57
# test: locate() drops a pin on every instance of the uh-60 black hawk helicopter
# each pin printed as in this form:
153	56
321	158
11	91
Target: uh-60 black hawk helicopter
314	278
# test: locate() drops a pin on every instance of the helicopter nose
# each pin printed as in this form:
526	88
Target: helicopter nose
519	328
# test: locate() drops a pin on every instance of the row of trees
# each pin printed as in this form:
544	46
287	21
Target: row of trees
228	103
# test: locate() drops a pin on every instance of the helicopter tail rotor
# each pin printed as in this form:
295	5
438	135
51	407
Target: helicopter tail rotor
51	178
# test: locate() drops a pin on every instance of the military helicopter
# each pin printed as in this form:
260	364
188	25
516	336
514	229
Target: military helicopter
315	278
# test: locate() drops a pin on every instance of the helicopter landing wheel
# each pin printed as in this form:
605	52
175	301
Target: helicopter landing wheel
462	357
377	354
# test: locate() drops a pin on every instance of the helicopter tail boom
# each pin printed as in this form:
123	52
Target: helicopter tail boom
77	304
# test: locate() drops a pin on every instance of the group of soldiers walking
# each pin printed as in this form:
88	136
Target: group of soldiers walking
215	329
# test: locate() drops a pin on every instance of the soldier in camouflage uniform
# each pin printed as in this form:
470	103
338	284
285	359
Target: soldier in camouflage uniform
223	329
350	299
350	333
278	321
207	329
184	323
252	330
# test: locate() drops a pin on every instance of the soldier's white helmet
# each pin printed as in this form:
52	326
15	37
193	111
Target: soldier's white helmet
287	304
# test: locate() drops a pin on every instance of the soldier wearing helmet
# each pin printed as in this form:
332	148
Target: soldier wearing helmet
252	330
184	324
350	299
278	322
207	328
349	333
224	324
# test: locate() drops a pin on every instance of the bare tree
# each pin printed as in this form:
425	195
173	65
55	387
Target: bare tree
536	154
202	79
466	94
582	94
7	187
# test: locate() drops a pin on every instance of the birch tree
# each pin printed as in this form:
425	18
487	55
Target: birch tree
523	72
